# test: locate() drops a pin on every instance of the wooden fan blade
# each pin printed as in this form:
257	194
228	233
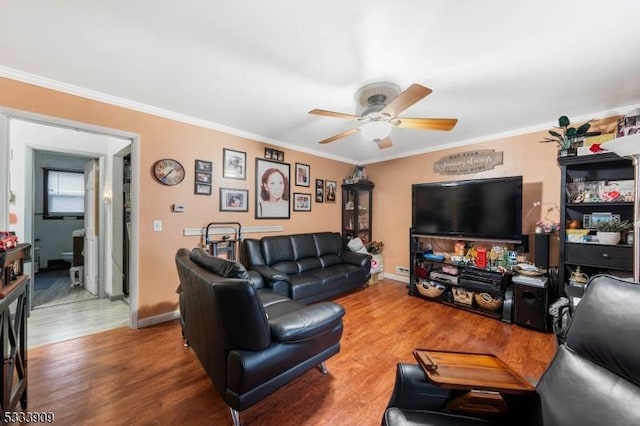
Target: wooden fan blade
413	94
385	143
339	136
427	123
334	114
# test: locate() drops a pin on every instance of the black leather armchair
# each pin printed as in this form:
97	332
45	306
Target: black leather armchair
250	340
594	378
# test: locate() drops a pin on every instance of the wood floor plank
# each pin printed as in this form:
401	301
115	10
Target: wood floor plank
147	376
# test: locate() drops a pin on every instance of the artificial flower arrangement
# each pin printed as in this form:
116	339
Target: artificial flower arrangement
569	134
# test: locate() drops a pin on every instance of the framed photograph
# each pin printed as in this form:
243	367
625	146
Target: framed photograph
234	200
303	173
204	166
202	177
202	189
272	189
319	191
330	191
234	164
301	202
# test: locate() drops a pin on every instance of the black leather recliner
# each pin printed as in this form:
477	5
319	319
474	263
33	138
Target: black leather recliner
250	340
594	378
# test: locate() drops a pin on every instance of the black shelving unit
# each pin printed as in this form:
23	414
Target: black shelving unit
503	291
591	257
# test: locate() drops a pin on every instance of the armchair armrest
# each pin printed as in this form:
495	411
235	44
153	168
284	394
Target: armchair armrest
412	391
306	323
271	275
358	259
277	281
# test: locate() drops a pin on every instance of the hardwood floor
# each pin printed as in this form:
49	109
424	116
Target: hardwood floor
147	376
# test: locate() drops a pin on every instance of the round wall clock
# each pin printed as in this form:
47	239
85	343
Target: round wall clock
168	171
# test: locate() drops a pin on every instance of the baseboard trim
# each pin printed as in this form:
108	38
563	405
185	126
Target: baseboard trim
401	278
157	319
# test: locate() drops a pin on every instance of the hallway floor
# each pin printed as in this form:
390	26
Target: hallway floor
61	312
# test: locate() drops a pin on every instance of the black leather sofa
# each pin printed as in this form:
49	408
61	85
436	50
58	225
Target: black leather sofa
594	378
307	267
250	340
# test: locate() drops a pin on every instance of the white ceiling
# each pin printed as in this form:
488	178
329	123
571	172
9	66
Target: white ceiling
255	68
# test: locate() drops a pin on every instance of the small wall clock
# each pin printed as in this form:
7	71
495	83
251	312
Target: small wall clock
168	171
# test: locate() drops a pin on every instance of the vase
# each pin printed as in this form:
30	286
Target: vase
608	237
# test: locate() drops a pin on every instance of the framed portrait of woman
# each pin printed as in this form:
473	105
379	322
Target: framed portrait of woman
272	189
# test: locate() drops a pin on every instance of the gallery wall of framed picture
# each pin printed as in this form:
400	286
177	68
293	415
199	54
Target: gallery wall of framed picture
275	196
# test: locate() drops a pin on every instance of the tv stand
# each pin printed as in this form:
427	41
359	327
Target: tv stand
477	290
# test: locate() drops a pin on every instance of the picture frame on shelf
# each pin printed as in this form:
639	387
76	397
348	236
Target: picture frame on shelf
303	175
234	200
301	202
319	190
272	188
234	164
330	191
273	154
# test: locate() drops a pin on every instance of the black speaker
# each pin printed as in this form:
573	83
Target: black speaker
539	250
531	304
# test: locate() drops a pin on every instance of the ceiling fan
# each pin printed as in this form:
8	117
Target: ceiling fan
378	106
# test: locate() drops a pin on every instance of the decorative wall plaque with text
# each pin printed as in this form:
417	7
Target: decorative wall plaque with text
468	162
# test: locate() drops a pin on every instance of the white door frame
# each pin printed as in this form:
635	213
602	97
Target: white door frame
8	114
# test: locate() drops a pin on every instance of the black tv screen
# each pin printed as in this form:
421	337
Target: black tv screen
480	209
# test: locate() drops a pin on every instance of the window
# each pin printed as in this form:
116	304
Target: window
64	193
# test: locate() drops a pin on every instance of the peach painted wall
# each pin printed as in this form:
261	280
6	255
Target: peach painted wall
162	138
522	155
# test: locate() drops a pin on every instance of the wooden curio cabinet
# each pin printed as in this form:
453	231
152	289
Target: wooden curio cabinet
356	211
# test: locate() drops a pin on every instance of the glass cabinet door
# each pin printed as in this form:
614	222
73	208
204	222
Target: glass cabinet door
356	211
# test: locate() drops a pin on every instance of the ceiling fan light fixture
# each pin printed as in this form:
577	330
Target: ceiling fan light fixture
376	130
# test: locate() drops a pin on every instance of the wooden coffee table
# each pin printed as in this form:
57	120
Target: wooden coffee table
483	377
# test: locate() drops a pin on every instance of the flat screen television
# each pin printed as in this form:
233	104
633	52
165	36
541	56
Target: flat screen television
479	209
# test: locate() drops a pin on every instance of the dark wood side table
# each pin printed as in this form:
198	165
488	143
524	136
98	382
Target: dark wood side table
14	296
481	378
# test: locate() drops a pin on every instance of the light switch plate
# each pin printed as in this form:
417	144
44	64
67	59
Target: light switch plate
157	226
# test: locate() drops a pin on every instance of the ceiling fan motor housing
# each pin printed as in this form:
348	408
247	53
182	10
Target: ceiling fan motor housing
375	96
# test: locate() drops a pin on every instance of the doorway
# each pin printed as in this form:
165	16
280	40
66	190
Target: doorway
29	140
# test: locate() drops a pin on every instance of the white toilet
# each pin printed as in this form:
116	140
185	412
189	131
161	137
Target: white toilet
67	256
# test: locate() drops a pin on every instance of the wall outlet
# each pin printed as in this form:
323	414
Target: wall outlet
401	270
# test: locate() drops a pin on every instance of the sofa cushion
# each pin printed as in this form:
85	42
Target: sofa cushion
330	259
304	246
277	249
304	324
309	263
328	243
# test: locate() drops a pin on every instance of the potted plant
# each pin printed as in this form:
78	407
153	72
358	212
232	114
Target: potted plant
569	138
608	231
